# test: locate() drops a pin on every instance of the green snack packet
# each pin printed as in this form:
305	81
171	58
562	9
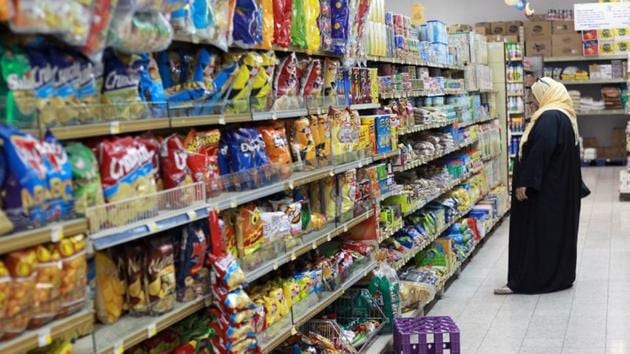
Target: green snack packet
18	105
85	176
298	26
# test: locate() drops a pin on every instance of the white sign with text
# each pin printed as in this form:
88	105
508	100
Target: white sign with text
596	16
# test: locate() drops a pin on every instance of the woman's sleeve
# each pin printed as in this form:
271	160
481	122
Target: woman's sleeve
541	144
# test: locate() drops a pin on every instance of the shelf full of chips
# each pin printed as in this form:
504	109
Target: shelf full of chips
50	233
415	63
438	155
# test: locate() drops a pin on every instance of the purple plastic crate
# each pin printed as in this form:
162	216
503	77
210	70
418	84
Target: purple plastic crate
426	335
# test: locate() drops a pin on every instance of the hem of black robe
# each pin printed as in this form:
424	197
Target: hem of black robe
516	290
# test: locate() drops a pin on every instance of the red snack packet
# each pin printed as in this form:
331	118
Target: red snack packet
203	159
282	15
286	82
173	159
312	82
152	143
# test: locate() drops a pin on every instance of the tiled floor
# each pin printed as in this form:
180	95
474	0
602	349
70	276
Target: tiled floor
592	317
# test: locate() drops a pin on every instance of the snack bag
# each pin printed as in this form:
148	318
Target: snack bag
276	226
329	197
47	297
6	10
153	147
340	22
282	14
325	24
266	7
312	83
315	197
324	148
133	31
20	106
228	272
190	253
120	96
265	172
160	274
39	57
221	31
59	175
135	272
247	24
5	290
311	25
277	146
249	230
230	219
19	302
26	185
347	191
63	100
298	24
241	88
341	133
111	287
203	150
331	71
150	86
302	143
262	85
99	25
173	162
87	93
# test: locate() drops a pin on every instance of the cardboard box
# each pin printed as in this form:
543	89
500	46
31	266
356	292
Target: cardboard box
498	28
537	30
510	38
513	27
457	28
483	28
538	48
562	27
590	48
566	45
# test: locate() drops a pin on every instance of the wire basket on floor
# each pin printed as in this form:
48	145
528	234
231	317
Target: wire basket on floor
352	305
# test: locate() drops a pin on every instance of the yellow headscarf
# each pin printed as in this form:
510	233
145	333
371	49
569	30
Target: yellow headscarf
551	95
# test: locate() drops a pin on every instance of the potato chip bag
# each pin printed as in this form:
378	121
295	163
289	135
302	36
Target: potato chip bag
286	82
230	219
266	7
249	230
60	204
247	24
283	15
111	286
150	86
135	268
314	196
203	155
329	197
222	25
120	96
347	191
153	146
174	164
26	185
311	25
47	297
340	15
330	73
190	256
19	302
325	24
20	106
43	77
64	101
302	142
276	144
103	11
312	83
160	273
263	82
88	93
298	24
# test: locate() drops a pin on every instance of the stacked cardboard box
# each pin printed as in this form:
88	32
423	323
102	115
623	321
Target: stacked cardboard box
500	31
538	38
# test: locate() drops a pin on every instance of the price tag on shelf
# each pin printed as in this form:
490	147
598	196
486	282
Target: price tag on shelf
233	203
192	215
292	257
291	185
43	337
345	228
319	110
274	116
293	331
114	128
332	173
56	233
151	330
153	226
119	347
275	266
328	237
222	119
314	245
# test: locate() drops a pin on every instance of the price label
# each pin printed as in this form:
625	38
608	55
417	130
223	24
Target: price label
153	226
222	119
292	257
233	203
275	266
328	237
293	331
43	337
207	301
119	347
332	173
114	128
314	245
274	116
151	330
56	233
319	110
291	185
345	228
192	215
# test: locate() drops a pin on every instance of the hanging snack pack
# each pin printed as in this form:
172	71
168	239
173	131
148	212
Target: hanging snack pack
190	253
120	96
312	83
26	186
311	25
340	18
302	142
247	24
282	14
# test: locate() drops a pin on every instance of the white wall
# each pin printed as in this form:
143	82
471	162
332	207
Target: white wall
473	11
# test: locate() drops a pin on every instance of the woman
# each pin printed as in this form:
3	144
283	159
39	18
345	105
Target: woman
547	187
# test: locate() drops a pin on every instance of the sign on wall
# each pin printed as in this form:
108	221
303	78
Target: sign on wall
595	16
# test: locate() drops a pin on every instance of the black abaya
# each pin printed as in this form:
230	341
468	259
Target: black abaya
544	228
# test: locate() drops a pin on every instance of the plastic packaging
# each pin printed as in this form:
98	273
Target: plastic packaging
311	25
247	24
139	32
266	7
160	268
282	14
47	300
249	230
340	22
6	12
73	290
221	31
298	24
325	24
19	302
111	287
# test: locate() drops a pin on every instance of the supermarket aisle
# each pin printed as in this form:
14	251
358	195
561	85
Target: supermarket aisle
592	317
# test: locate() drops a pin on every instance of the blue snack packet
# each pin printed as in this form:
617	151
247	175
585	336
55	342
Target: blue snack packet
247	23
150	86
340	24
242	157
43	82
59	176
25	186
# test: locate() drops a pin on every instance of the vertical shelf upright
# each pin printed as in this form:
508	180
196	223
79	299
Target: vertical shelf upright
496	62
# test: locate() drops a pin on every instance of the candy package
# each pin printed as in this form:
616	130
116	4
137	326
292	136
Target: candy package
60	203
247	24
26	187
325	24
311	25
282	14
120	96
277	146
223	15
312	83
298	24
160	274
190	253
249	230
139	32
340	15
19	301
47	298
302	143
111	287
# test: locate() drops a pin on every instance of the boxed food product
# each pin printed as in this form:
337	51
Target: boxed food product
606	47
589	35
563	27
563	45
622	34
538	48
498	28
590	48
513	27
483	28
606	34
537	30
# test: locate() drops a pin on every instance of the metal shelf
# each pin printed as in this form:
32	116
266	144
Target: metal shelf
609	112
414	62
594	82
53	232
109	128
582	58
78	324
420	162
